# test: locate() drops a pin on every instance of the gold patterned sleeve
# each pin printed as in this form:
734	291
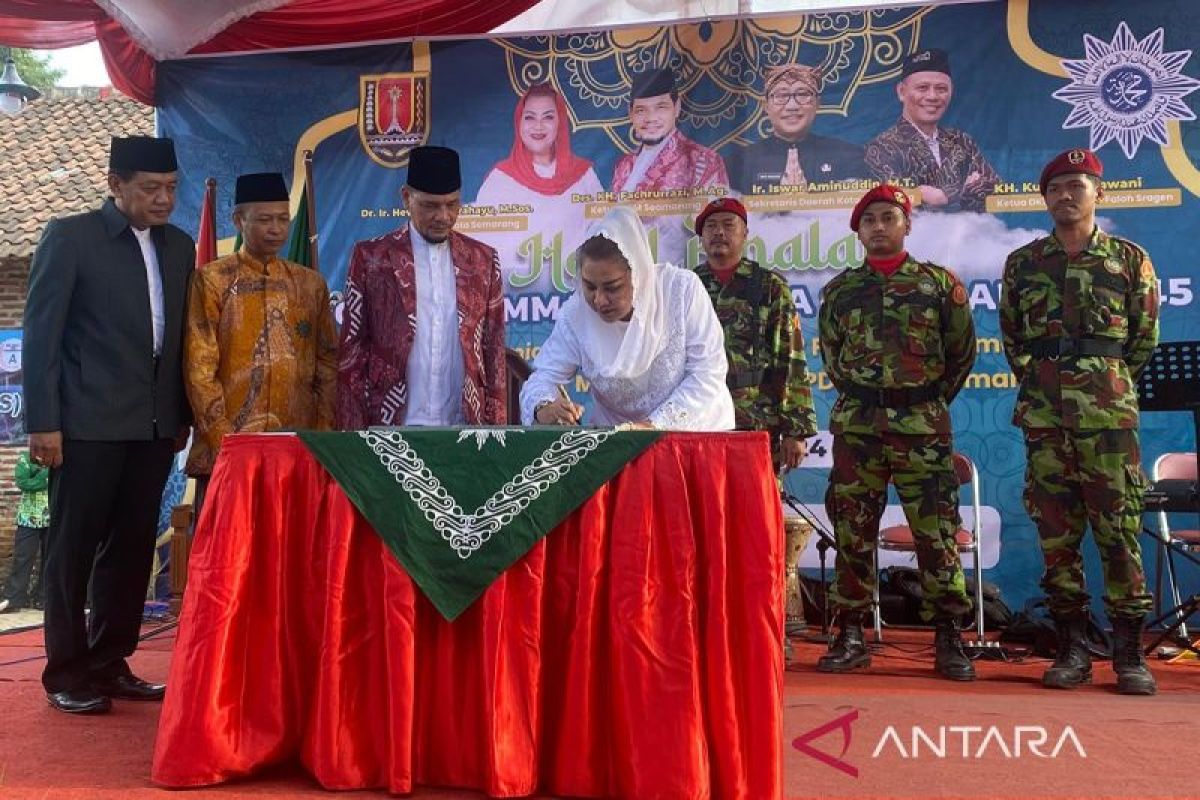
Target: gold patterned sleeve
884	163
202	358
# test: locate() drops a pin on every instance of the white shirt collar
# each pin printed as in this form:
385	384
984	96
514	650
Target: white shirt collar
931	139
421	244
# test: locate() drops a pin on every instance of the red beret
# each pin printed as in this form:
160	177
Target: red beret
1072	161
730	205
883	193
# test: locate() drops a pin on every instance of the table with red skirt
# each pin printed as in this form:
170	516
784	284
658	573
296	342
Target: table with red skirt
635	651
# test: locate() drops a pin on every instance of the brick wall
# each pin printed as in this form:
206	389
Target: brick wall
14	281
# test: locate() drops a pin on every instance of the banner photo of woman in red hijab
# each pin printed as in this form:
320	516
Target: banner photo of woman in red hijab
540	180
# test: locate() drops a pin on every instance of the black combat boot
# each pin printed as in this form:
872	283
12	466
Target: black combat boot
1073	663
949	659
849	651
1133	676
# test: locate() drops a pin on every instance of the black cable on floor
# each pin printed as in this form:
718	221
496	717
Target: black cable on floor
161	629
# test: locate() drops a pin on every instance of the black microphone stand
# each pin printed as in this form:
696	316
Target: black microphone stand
825	543
1170	381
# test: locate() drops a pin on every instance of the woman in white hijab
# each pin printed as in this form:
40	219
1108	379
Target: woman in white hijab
644	335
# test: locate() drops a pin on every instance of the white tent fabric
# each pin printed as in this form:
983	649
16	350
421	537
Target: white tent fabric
551	15
169	30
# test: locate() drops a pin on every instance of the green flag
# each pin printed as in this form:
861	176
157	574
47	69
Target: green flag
298	250
458	507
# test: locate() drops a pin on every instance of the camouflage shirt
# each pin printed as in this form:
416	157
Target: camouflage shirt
1108	291
767	338
910	329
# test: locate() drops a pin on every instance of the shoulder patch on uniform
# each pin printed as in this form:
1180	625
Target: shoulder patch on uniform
958	295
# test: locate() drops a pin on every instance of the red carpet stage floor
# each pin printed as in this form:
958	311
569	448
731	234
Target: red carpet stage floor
891	732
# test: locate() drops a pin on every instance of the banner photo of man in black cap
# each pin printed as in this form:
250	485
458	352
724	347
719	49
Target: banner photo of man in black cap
943	163
665	158
423	328
665	161
260	344
106	411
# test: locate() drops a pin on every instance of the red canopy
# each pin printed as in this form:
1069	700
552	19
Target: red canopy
51	24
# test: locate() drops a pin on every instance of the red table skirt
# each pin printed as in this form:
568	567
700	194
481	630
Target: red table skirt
636	651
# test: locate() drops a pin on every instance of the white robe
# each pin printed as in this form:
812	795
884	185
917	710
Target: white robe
436	369
684	389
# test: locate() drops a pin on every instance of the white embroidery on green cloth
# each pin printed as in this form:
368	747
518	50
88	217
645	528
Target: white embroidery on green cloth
466	533
483	435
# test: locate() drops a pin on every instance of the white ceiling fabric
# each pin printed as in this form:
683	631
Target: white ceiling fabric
168	30
551	15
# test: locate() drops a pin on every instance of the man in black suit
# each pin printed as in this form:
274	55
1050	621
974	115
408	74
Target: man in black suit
106	411
793	158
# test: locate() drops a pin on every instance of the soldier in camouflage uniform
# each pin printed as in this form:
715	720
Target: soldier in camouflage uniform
898	343
1079	316
768	375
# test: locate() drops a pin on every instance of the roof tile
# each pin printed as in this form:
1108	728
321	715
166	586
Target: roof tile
56	161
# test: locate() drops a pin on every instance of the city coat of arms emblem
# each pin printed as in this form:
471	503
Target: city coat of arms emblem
393	115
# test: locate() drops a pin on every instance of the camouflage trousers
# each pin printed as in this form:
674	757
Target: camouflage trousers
922	470
1073	478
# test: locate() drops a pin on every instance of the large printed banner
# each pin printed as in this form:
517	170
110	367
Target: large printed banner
796	114
12	388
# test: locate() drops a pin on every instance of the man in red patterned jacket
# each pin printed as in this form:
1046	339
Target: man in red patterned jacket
666	158
665	161
423	327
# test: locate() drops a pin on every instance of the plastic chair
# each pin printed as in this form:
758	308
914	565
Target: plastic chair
900	538
1182	467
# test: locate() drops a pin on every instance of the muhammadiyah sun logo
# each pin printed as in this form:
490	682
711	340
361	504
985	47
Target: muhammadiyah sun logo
1126	89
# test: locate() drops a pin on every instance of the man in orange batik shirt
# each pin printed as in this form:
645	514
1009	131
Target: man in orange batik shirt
261	349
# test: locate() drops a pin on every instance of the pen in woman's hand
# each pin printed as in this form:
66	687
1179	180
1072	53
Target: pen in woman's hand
566	398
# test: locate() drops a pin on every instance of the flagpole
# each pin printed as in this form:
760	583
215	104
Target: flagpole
312	210
206	244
